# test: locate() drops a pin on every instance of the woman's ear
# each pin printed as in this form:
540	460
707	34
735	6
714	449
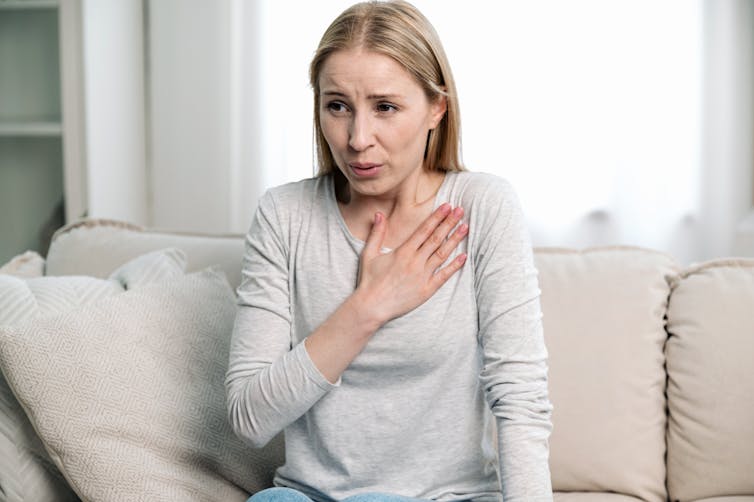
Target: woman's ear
438	107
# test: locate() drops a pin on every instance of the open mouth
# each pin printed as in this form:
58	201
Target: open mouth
364	169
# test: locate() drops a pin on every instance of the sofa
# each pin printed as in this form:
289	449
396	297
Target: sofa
113	384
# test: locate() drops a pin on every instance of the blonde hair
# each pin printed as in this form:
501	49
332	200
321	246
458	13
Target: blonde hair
396	29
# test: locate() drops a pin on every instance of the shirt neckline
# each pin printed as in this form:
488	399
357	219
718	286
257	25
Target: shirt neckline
332	202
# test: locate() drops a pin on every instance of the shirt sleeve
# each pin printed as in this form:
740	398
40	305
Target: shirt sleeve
269	383
514	372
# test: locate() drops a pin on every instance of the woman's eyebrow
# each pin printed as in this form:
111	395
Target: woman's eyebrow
384	96
370	96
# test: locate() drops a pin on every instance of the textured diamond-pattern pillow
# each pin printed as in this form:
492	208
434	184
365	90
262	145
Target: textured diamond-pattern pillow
132	405
26	471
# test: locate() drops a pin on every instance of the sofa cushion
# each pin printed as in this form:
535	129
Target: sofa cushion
603	316
592	497
96	247
131	406
26	471
710	353
732	498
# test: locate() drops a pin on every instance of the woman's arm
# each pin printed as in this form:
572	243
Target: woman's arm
270	384
514	371
261	395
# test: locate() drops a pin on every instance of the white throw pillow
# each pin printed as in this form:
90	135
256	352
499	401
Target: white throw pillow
28	264
132	405
26	471
157	266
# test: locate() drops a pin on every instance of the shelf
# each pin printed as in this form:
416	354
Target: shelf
31	129
29	65
34	141
28	4
31	188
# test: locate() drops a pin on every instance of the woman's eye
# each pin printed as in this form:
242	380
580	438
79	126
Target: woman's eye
386	107
336	107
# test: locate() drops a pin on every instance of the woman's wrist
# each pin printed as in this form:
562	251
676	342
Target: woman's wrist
336	343
366	311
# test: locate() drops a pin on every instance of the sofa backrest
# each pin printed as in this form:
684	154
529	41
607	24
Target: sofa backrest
604	325
710	364
96	247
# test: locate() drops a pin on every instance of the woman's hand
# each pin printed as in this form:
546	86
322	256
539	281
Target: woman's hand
390	285
395	283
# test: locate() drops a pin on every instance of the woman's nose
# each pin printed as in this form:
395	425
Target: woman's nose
360	134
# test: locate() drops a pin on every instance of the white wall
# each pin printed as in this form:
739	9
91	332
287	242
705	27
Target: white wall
113	58
189	109
227	93
729	142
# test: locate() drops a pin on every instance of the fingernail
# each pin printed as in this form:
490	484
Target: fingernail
461	258
458	212
445	207
463	229
377	217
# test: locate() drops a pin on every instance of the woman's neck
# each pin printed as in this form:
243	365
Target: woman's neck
404	209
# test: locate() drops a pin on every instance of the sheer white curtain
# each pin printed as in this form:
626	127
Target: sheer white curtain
618	122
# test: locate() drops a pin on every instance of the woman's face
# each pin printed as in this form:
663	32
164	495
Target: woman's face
375	118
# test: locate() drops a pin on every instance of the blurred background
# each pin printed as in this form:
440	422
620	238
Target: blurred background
617	121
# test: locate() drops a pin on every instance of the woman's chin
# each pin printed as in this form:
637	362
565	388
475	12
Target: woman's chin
367	188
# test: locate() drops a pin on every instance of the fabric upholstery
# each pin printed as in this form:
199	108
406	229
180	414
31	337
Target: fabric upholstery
96	247
603	316
592	497
132	405
732	498
157	266
26	471
28	264
710	353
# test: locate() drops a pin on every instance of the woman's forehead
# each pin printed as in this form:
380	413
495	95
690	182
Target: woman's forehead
366	72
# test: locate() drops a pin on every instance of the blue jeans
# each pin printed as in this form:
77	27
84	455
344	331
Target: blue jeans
279	494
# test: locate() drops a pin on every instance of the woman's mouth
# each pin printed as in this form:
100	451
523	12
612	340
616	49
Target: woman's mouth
364	169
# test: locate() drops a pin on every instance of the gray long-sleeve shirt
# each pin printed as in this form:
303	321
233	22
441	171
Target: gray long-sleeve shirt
411	414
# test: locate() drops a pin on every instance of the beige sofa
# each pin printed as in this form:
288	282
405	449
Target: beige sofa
651	372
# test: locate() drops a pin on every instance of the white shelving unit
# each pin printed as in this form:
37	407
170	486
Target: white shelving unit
42	182
28	4
20	129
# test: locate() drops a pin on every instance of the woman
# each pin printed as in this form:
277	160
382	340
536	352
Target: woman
390	303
